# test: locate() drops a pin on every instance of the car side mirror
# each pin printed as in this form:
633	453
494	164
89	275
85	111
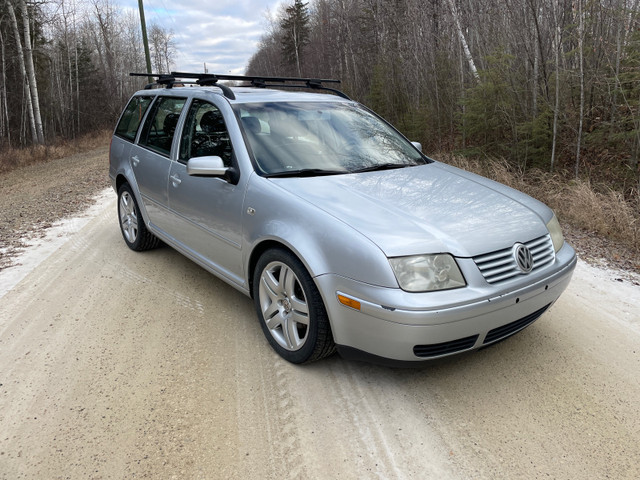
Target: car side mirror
206	166
418	145
211	166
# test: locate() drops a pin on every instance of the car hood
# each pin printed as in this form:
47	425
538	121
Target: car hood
433	208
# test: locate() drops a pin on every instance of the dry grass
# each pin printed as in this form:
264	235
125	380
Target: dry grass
11	158
591	208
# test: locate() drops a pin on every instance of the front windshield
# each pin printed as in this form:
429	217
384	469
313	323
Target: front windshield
322	138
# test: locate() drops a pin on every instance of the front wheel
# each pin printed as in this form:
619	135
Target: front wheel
132	226
290	308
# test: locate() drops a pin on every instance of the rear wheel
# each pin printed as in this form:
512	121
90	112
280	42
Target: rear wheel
290	308
132	226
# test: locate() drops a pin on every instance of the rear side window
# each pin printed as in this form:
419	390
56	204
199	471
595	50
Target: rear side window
132	116
160	126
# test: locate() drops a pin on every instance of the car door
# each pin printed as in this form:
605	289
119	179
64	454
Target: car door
151	158
207	211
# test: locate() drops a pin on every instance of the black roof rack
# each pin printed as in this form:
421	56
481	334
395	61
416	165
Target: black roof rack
204	79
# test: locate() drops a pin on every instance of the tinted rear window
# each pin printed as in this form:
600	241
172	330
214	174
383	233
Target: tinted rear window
132	116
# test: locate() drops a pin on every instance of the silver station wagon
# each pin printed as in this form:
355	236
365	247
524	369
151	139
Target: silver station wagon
344	234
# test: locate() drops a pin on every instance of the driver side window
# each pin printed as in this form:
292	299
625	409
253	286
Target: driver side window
205	134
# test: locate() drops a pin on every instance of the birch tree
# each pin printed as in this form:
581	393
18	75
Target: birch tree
23	70
30	71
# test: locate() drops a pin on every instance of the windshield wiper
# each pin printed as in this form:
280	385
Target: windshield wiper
306	172
383	166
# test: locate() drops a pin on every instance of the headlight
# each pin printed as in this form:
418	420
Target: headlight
556	233
425	273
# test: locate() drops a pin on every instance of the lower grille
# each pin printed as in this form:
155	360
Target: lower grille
445	348
513	327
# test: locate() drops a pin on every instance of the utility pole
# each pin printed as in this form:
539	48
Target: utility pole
145	42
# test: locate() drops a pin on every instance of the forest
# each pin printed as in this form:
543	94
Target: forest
537	85
64	67
552	84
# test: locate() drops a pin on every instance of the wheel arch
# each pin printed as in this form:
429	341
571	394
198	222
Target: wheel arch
121	180
258	250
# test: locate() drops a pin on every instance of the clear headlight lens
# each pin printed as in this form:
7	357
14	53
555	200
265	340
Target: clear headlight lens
556	233
426	273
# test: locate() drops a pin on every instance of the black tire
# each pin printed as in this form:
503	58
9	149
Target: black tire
132	226
290	309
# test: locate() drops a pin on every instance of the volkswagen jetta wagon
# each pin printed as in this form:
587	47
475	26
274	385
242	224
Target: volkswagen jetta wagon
345	235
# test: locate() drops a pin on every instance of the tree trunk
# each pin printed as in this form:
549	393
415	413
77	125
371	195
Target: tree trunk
5	129
556	109
31	72
463	40
581	61
23	70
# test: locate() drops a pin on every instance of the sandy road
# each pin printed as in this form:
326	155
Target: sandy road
115	364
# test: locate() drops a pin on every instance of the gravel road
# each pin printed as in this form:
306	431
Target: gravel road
116	364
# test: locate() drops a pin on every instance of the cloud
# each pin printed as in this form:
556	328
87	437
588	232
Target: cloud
223	34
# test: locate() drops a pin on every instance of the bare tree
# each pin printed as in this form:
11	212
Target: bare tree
581	77
163	49
31	72
463	40
27	95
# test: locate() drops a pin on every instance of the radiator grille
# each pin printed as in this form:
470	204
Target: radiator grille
500	265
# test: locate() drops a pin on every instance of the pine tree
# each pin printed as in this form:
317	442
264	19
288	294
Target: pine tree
295	28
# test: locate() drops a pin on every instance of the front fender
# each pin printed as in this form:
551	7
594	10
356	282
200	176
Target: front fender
325	244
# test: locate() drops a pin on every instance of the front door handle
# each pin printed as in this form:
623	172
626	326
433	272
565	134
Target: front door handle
135	160
175	180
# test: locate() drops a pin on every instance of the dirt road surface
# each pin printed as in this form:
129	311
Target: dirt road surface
116	364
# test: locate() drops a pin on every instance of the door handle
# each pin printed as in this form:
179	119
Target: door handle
175	180
135	160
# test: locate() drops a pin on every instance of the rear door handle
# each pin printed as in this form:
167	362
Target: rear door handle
175	180
135	160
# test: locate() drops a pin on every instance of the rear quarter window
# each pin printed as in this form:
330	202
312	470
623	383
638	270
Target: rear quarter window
132	116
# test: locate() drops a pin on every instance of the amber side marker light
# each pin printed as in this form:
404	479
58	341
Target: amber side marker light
349	302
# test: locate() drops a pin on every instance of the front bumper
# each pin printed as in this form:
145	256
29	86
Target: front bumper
384	328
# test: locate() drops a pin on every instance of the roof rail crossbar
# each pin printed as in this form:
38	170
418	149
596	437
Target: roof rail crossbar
265	82
210	79
207	79
162	79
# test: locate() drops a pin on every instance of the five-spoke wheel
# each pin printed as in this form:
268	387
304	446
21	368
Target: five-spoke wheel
134	231
290	308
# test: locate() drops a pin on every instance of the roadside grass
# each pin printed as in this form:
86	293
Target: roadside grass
12	158
593	208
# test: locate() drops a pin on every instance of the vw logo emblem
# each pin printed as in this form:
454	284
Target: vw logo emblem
523	257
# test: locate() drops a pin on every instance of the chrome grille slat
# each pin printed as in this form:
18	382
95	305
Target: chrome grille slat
496	263
506	276
491	256
500	265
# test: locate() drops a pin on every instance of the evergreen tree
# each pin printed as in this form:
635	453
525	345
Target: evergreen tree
295	29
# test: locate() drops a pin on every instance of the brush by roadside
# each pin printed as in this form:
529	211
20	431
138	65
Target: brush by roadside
12	158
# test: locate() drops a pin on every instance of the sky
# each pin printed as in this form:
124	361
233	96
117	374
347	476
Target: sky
221	33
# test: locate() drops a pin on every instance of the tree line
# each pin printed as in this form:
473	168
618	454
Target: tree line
553	84
64	67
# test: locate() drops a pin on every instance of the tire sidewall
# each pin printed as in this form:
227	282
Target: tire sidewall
312	297
135	245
